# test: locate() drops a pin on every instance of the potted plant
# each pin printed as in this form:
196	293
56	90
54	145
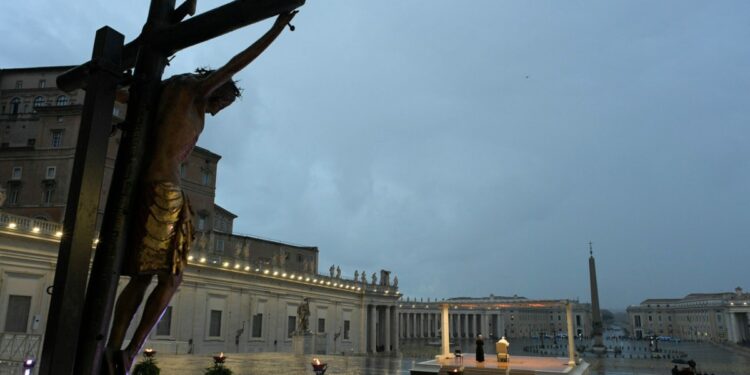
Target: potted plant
218	367
147	366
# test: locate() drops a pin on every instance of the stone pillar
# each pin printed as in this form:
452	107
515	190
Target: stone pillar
372	334
571	342
400	326
465	325
434	325
387	329
394	338
445	337
413	320
363	329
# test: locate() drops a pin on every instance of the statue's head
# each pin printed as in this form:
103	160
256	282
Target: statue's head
221	97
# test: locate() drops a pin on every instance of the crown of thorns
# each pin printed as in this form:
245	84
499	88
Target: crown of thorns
205	72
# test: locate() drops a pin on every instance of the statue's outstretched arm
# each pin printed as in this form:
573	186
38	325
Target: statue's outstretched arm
242	59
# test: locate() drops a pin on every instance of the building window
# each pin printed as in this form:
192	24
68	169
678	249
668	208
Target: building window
19	84
219	246
347	326
214	328
47	195
291	325
57	138
42	83
183	169
164	328
321	325
258	325
17	315
13	195
202	222
51	171
38	101
62	100
578	320
15	103
17	172
206	178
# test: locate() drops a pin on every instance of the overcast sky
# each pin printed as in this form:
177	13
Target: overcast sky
476	147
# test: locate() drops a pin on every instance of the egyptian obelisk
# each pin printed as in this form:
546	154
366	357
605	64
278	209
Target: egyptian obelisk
596	315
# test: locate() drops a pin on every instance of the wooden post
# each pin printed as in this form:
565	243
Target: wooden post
66	308
131	155
162	35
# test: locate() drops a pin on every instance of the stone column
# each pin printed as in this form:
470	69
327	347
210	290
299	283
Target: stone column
434	325
465	325
732	329
362	328
414	325
394	338
418	318
571	342
478	325
446	332
387	329
372	314
400	327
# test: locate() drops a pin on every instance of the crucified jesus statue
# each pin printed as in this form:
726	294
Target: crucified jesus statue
162	230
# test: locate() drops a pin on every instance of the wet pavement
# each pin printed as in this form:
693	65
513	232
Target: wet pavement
711	358
285	363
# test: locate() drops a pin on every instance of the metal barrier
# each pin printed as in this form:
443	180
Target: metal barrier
18	347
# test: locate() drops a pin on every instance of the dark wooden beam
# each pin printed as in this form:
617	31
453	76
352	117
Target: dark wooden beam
66	308
118	215
219	21
198	29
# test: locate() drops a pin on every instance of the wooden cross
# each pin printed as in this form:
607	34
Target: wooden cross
71	347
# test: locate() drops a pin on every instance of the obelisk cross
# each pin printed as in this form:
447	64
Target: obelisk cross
70	347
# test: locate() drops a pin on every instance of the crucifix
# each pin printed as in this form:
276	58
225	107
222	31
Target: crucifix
145	202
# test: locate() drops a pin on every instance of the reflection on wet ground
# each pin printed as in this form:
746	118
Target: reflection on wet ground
285	363
709	357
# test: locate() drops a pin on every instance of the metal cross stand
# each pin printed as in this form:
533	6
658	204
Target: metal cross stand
70	347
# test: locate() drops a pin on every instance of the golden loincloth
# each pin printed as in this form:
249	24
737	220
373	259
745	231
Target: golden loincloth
163	232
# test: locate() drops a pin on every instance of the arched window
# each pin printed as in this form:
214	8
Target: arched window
15	103
38	101
62	100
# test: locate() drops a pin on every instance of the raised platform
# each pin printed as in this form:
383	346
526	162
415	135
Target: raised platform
519	365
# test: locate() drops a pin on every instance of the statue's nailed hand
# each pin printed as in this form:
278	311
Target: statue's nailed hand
284	19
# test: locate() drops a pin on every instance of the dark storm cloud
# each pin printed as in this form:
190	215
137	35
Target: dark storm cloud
490	140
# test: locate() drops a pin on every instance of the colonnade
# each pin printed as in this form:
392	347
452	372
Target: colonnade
464	324
382	328
738	326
